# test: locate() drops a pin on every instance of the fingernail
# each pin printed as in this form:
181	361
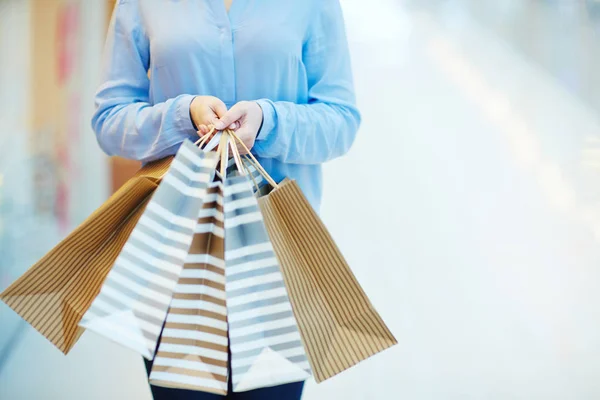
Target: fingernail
219	125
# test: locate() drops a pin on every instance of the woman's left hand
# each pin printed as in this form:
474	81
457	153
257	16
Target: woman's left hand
246	117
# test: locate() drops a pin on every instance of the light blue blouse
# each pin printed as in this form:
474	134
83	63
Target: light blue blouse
290	56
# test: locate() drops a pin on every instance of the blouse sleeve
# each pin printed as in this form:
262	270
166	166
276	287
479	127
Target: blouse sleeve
125	122
326	127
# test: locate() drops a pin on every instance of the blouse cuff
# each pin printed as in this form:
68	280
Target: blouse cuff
268	124
183	118
181	125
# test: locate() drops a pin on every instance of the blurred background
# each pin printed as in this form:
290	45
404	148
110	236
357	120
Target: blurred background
476	234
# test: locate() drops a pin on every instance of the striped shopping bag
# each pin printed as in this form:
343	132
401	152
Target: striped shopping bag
193	353
265	344
133	301
54	294
339	325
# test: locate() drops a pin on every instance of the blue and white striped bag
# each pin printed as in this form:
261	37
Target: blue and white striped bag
133	301
265	344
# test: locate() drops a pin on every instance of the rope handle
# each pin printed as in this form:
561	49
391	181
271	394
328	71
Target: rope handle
204	139
237	158
245	163
223	153
225	144
250	157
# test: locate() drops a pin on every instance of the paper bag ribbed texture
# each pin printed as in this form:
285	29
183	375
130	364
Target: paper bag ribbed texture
266	348
54	293
338	324
192	353
133	301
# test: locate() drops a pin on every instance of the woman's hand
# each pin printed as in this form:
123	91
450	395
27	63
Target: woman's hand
245	118
206	110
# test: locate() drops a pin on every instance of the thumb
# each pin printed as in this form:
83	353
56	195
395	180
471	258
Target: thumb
234	114
219	108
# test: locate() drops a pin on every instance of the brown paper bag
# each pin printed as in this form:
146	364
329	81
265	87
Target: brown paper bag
54	294
198	361
337	322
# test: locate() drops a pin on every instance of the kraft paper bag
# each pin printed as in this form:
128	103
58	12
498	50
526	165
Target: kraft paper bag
265	344
54	293
337	322
193	349
134	299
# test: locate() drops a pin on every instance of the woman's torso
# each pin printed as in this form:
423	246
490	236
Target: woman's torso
254	51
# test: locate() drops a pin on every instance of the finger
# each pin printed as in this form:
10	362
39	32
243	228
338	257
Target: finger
246	137
203	130
218	107
234	114
241	150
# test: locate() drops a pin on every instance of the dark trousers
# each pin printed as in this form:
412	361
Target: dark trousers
290	391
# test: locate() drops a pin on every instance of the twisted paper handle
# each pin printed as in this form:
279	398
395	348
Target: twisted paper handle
204	139
250	157
228	139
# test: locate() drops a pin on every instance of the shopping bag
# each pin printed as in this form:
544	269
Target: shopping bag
193	349
338	324
133	301
265	344
54	293
264	341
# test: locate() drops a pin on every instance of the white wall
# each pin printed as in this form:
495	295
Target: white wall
468	211
25	237
15	185
93	185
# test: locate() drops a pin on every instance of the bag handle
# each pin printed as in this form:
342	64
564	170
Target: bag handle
252	160
225	143
205	139
236	157
245	162
223	153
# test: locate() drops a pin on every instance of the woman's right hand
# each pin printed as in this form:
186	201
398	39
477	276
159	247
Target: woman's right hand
205	111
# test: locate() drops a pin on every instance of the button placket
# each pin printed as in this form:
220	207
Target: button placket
228	66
